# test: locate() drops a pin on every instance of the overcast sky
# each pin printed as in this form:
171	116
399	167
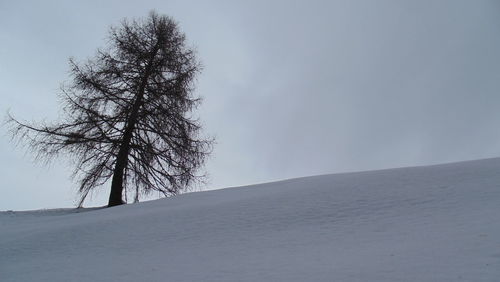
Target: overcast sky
290	88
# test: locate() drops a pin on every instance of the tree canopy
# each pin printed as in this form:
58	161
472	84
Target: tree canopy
129	115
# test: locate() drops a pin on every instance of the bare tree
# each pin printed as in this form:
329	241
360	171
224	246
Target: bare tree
128	114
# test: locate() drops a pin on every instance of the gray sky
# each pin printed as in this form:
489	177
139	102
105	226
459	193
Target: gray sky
291	88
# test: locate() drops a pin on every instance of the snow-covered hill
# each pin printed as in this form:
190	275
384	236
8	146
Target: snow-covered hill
434	223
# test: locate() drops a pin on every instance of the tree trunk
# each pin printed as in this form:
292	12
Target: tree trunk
115	196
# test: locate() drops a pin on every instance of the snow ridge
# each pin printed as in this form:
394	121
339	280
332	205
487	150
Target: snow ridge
434	223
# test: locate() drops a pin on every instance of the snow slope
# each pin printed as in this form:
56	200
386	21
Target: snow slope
435	223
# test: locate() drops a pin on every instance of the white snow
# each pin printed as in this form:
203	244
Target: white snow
434	223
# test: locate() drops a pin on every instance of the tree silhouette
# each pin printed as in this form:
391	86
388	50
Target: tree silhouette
128	114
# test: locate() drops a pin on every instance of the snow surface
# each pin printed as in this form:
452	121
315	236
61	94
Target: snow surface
434	223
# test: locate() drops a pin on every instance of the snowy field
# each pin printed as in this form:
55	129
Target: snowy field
435	223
